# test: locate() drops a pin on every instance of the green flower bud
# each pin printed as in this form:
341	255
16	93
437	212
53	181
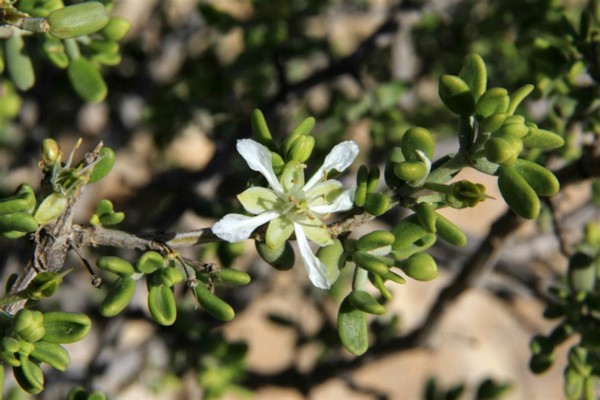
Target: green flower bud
474	74
281	258
51	208
86	79
456	95
43	285
161	304
417	139
118	297
63	327
517	193
213	304
421	267
363	301
50	152
77	20
466	194
352	328
494	100
149	262
115	265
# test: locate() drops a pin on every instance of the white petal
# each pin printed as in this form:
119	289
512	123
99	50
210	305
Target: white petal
340	158
316	270
259	159
343	202
237	227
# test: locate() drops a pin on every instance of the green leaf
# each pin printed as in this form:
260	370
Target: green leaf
106	160
543	139
87	80
261	131
494	100
517	193
78	20
161	304
363	301
18	62
50	208
64	327
474	74
281	258
421	267
417	139
213	304
149	262
118	297
332	256
352	328
456	95
52	354
518	96
541	180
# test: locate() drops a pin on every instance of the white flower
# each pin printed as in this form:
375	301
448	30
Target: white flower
290	205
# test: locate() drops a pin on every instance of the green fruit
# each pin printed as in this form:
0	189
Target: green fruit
517	193
474	74
234	276
494	100
51	208
456	95
87	80
116	29
375	240
63	327
149	262
18	62
104	164
213	304
19	222
118	297
78	20
352	328
161	304
115	265
281	258
52	354
417	139
421	267
363	301
541	180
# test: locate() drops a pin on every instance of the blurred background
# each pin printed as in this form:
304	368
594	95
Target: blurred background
191	73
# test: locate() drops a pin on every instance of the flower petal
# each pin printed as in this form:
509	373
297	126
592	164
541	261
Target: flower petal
258	199
237	227
324	192
315	268
340	158
259	159
278	231
343	202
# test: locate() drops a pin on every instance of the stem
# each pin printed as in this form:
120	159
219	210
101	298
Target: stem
12	298
36	25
